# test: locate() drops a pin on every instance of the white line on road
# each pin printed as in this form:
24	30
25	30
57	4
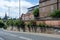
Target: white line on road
10	34
25	38
1	38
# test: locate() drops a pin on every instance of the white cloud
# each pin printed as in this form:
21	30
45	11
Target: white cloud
2	14
14	6
24	5
5	4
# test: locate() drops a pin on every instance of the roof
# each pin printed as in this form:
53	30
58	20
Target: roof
33	6
43	1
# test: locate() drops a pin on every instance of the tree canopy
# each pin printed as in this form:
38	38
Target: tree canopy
10	22
19	22
1	24
55	14
36	12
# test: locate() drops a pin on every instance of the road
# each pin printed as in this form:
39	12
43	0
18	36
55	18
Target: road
5	35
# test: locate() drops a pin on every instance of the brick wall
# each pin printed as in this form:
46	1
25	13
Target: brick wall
45	8
53	22
50	22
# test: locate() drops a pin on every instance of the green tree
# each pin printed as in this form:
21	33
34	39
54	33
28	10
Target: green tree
29	27
33	25
10	22
36	12
42	27
0	18
20	24
5	27
2	24
55	14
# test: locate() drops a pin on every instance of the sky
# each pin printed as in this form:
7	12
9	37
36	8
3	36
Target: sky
11	7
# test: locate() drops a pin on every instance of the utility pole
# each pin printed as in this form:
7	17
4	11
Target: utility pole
19	8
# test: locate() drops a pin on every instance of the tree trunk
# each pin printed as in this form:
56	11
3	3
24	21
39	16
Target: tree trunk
12	28
32	29
24	29
41	29
35	29
18	28
29	29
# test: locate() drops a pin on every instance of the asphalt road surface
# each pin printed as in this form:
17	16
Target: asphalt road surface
4	35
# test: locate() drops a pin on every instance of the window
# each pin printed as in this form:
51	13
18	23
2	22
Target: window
52	1
43	3
52	8
59	5
26	18
23	18
32	17
43	9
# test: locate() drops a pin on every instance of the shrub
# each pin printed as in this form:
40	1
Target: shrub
36	12
55	14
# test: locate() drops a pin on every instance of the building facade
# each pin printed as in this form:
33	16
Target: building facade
29	15
48	6
45	9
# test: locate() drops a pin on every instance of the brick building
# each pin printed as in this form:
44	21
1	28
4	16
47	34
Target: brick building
29	15
48	6
45	8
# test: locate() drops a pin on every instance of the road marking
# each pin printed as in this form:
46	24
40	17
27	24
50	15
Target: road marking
18	36
10	34
25	38
1	38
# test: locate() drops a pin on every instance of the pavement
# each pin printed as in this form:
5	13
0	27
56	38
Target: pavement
9	35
